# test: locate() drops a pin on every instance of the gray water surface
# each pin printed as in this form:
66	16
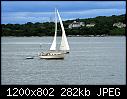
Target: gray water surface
91	61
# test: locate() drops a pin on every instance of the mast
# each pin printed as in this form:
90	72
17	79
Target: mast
53	46
64	43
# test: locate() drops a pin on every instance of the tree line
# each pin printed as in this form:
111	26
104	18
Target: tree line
103	26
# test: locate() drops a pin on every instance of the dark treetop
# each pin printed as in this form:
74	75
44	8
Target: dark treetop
102	25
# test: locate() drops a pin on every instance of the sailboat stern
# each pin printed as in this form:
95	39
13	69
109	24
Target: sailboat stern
64	51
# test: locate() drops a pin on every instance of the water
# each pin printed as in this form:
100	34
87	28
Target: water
91	61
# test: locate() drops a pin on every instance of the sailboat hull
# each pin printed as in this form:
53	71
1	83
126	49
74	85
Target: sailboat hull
52	56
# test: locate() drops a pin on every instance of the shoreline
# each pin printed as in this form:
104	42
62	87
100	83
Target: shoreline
73	36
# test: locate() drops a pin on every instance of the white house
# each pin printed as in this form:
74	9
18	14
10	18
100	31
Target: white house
90	25
76	24
119	25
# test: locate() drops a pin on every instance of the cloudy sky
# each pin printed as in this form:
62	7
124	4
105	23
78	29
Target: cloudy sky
42	11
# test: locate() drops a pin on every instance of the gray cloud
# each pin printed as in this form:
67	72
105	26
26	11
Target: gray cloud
24	11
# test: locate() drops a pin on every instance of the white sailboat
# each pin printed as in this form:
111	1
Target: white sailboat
64	46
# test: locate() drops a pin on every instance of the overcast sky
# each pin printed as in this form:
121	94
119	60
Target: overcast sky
42	11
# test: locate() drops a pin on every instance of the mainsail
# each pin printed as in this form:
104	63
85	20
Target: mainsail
64	43
53	46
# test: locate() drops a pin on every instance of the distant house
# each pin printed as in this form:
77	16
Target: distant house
76	24
90	25
119	25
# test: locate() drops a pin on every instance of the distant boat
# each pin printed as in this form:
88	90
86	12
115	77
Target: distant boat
53	53
30	57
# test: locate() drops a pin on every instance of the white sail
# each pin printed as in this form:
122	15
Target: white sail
53	46
64	43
